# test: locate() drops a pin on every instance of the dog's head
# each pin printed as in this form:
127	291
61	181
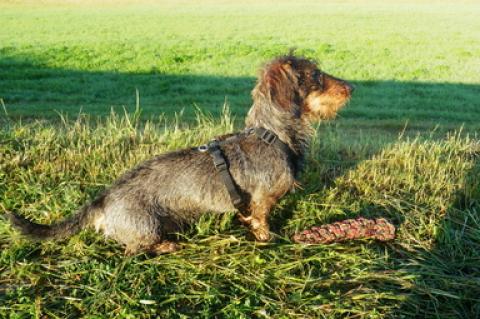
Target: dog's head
298	86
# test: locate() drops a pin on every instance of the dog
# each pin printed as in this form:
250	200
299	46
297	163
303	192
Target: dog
161	195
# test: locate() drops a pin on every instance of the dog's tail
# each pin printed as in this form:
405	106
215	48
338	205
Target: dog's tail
64	228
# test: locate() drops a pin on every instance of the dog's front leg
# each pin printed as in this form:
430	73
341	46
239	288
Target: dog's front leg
258	221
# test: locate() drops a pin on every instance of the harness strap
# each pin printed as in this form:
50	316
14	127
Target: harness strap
271	138
222	168
213	148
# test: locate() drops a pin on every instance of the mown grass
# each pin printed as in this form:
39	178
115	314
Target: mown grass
429	188
410	62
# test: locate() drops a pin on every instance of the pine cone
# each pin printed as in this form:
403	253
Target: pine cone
359	228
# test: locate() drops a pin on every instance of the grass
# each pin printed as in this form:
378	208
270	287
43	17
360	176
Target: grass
411	62
429	188
406	148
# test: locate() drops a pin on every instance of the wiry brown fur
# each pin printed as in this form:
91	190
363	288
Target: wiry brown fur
160	195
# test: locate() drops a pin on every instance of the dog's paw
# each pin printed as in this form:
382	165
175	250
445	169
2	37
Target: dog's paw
165	247
261	234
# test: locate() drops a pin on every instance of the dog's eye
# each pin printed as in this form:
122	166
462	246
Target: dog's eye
317	77
320	79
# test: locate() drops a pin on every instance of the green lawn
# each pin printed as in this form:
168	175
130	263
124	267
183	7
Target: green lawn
405	148
419	63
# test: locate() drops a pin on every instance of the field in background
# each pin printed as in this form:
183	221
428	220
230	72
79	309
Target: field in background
417	71
416	63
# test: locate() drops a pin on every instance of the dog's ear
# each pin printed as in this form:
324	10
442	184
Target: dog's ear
279	83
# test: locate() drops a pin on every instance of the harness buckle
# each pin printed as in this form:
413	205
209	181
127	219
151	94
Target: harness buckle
268	137
220	166
218	160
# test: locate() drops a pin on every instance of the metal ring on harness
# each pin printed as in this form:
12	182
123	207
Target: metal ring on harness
203	148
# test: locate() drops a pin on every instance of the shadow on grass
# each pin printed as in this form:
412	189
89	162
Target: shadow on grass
448	272
31	89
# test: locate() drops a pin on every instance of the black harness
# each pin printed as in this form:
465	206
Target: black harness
214	149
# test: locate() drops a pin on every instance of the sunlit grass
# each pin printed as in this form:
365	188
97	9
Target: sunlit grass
429	188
